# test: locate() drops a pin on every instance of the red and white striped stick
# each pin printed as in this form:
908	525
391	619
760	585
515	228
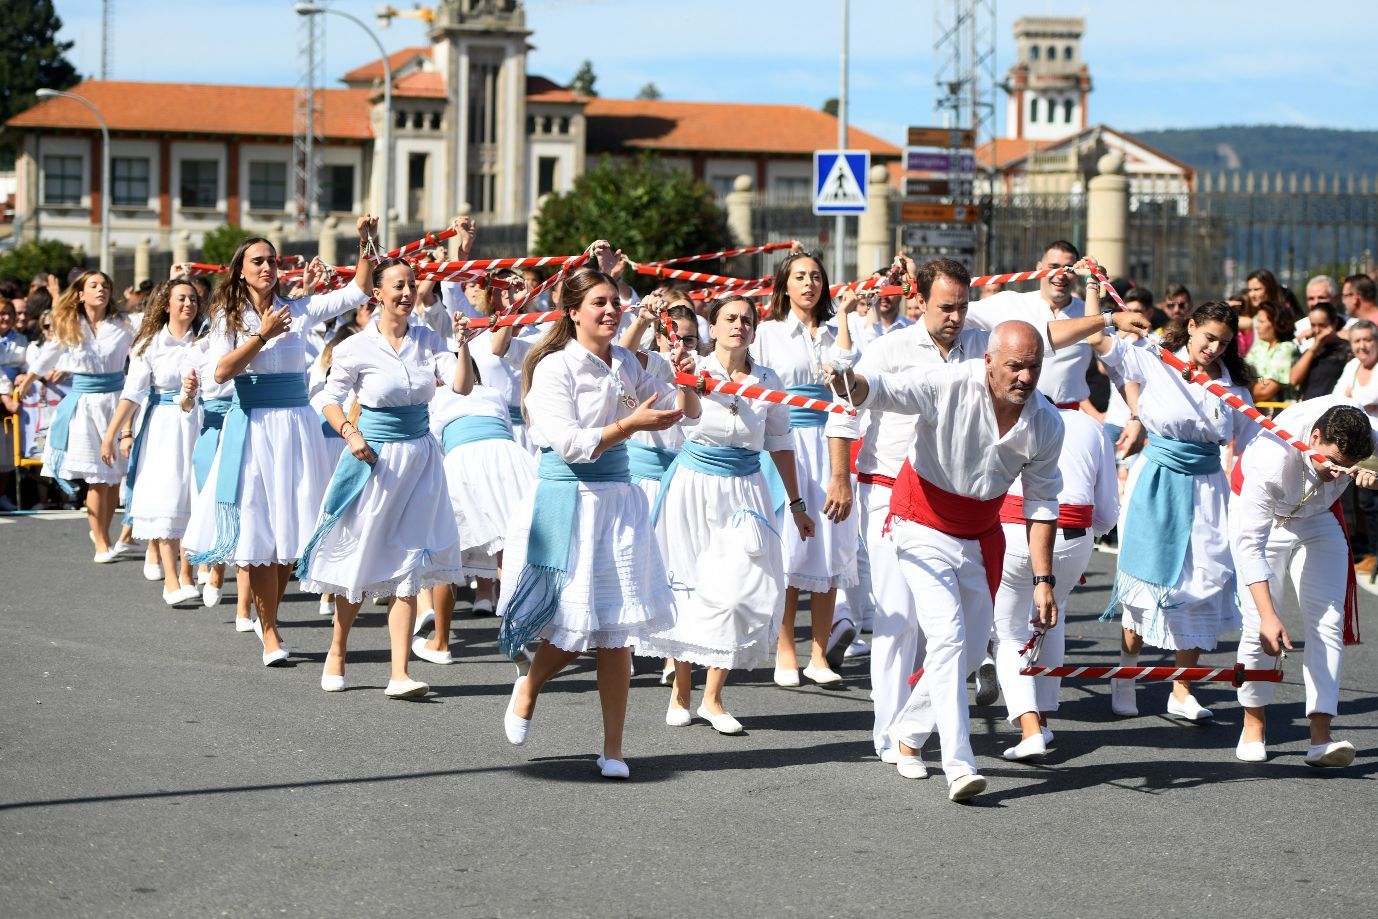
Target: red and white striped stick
492	264
726	253
697	277
430	239
1236	674
761	393
518	302
192	268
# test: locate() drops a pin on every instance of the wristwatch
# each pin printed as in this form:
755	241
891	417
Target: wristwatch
1048	579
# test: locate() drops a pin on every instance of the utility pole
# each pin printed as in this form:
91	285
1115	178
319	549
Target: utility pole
840	225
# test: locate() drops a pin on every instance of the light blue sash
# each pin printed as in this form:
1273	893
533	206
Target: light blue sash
212	420
808	417
471	429
328	430
647	462
514	414
378	426
1158	522
155	398
737	462
537	595
251	391
58	432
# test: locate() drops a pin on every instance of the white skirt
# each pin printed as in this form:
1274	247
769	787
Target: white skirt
281	487
521	435
1200	608
488	480
726	568
826	560
161	501
616	593
398	537
82	461
651	489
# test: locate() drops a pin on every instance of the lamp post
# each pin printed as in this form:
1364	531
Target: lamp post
104	172
840	225
313	9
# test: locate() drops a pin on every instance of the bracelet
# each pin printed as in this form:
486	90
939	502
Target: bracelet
347	424
617	423
259	336
1109	320
1133	417
797	506
124	434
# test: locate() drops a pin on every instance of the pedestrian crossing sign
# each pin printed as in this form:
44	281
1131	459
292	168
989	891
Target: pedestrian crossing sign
839	181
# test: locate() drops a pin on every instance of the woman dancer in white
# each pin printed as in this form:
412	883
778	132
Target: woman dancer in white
386	529
798	344
91	342
582	572
726	562
1176	577
265	486
160	453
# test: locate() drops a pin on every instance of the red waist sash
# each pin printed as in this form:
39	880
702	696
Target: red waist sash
875	478
1068	515
1071	406
920	501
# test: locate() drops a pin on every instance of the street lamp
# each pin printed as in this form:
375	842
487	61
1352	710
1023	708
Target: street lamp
104	172
312	9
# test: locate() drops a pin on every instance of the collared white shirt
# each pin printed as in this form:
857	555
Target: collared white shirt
13	346
379	377
574	396
285	353
786	347
672	438
197	357
865	332
481	402
103	352
755	424
160	366
1087	464
1064	371
959	448
1276	478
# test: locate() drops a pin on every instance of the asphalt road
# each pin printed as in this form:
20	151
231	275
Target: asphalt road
150	766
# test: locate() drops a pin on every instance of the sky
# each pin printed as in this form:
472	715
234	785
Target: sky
1169	64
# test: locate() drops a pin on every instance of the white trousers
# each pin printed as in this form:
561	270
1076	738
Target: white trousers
1314	550
1014	615
896	642
947	579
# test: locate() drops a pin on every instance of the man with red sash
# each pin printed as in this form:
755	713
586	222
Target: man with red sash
1285	514
979	427
1088	506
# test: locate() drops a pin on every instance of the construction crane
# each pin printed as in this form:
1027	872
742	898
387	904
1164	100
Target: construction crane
386	14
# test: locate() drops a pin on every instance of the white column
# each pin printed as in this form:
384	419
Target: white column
1107	215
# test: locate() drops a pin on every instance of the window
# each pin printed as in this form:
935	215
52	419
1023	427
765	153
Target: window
129	178
1067	53
337	189
546	171
1067	110
721	185
1033	52
1052	52
200	183
793	187
1033	111
61	180
267	186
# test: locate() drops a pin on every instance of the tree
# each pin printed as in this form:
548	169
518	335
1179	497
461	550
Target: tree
31	57
649	91
830	106
40	256
582	84
219	245
642	207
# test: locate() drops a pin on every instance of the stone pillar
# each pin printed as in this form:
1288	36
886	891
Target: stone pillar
329	249
533	224
181	248
738	202
275	236
1107	215
141	270
875	238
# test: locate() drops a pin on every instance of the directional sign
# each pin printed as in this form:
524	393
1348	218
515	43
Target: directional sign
941	137
963	238
932	188
937	213
921	159
839	181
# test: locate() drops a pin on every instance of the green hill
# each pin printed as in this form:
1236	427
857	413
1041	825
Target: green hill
1270	148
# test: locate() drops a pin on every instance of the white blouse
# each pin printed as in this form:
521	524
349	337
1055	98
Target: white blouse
380	377
731	421
1347	386
448	405
287	353
658	366
103	352
160	366
785	347
574	395
197	357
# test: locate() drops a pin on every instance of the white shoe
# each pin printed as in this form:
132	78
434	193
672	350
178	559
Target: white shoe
786	677
406	689
482	608
1335	753
276	658
516	728
181	595
210	596
858	648
104	558
844	630
823	676
890	755
153	572
327	607
1253	751
966	788
677	717
121	549
723	724
203	576
667	676
331	682
423	622
987	687
1027	749
613	768
418	647
909	767
244	625
1122	698
1189	709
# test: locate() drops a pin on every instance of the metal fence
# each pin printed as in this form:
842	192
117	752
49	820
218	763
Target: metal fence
775	219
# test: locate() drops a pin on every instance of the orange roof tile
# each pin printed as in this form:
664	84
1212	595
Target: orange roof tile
190	108
373	70
729	127
539	89
420	84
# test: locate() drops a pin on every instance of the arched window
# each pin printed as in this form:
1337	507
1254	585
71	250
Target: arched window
1067	53
1052	52
1033	110
1067	110
1033	52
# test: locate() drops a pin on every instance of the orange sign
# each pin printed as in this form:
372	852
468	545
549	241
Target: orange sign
938	213
942	137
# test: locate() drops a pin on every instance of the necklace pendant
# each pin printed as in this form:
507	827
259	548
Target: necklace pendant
732	409
628	401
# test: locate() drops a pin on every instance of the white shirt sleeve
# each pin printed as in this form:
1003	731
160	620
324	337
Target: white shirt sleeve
1253	509
909	392
1106	510
553	415
320	308
342	379
138	379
